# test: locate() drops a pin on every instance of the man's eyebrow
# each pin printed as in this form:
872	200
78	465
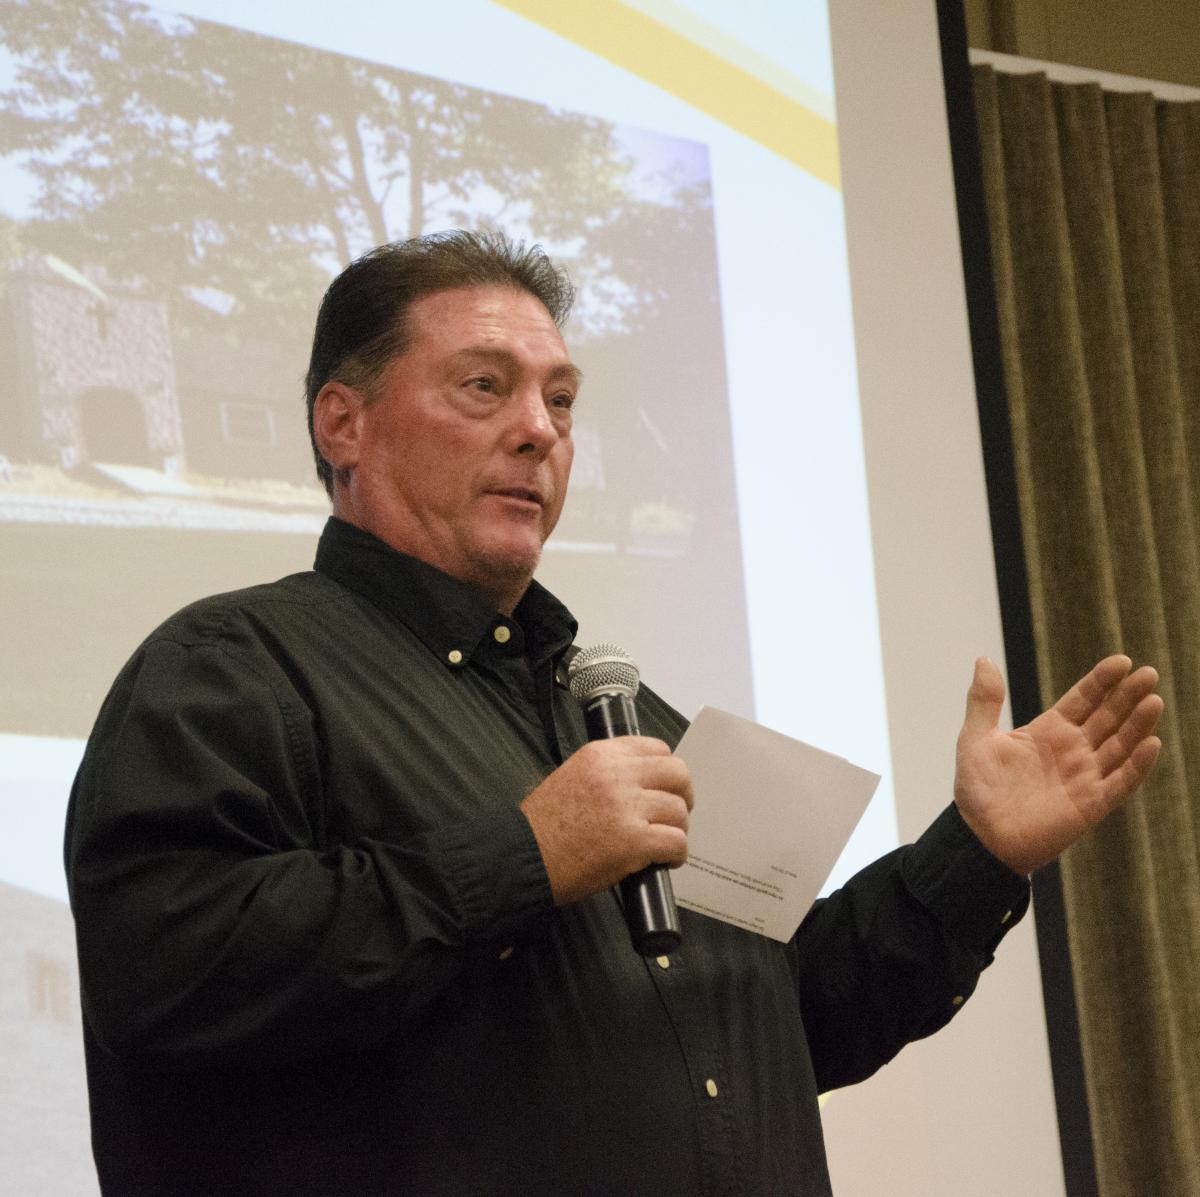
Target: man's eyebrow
489	353
569	371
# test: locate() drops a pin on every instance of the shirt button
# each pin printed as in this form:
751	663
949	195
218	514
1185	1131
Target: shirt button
506	953
663	961
502	634
710	1087
1007	916
957	1000
454	657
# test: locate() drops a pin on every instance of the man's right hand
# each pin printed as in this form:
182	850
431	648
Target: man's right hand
613	808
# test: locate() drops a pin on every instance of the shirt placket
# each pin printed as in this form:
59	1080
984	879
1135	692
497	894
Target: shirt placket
712	1098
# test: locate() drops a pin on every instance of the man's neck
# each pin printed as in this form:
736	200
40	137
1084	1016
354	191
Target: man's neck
504	592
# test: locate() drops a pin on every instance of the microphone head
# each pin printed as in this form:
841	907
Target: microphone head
602	669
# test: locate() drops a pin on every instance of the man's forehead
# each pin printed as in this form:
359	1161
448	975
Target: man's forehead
490	300
484	319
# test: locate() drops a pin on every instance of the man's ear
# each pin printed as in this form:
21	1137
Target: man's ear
338	424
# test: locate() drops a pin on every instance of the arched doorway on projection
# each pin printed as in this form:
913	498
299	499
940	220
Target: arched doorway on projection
114	428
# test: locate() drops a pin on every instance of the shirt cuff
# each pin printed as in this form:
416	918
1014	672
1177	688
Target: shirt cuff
973	895
499	876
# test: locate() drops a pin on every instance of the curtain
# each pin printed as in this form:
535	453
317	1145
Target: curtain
1094	210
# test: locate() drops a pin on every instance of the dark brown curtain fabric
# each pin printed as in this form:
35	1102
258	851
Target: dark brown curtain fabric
1094	207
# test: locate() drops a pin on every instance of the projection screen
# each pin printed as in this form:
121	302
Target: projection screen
177	187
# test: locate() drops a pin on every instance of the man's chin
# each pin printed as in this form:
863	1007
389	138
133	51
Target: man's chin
506	569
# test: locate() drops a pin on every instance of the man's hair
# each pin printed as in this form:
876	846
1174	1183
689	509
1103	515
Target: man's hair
363	321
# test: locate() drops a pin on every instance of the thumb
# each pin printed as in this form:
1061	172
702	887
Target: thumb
984	700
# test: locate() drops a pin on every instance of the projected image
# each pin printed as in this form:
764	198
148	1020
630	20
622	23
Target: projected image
176	195
166	236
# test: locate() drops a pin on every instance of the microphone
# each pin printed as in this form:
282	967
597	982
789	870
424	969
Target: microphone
604	681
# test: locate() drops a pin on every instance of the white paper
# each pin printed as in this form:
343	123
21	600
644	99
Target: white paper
771	818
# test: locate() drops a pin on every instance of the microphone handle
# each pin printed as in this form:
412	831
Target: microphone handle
647	896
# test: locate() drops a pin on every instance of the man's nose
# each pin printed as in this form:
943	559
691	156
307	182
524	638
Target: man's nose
532	430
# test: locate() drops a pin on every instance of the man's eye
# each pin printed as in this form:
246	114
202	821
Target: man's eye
483	384
565	401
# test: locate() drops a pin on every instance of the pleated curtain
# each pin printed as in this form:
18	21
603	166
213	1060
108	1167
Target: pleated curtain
1094	210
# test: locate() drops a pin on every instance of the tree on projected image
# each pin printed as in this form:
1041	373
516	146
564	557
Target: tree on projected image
196	187
182	192
234	173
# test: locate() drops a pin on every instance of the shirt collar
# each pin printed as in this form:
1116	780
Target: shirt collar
450	617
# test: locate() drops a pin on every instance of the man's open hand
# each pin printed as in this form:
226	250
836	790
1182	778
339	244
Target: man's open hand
1030	793
614	807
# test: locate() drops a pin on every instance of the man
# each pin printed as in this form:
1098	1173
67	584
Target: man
340	858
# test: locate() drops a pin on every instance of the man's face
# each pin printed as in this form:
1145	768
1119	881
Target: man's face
466	449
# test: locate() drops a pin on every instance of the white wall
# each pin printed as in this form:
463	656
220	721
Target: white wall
970	1111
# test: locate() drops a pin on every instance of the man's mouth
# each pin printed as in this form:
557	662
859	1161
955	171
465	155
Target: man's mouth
519	492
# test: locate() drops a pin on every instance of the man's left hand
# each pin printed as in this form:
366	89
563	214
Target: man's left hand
1030	793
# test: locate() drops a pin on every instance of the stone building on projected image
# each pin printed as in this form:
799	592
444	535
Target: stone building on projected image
90	370
98	374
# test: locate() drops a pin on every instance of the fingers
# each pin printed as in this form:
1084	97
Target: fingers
669	774
665	846
636	745
663	839
664	801
1133	772
668	809
1119	704
985	699
1090	691
1136	726
651	764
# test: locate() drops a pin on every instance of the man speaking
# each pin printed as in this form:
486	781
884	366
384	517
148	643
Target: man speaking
341	860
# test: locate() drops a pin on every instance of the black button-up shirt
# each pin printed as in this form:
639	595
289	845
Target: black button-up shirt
319	954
